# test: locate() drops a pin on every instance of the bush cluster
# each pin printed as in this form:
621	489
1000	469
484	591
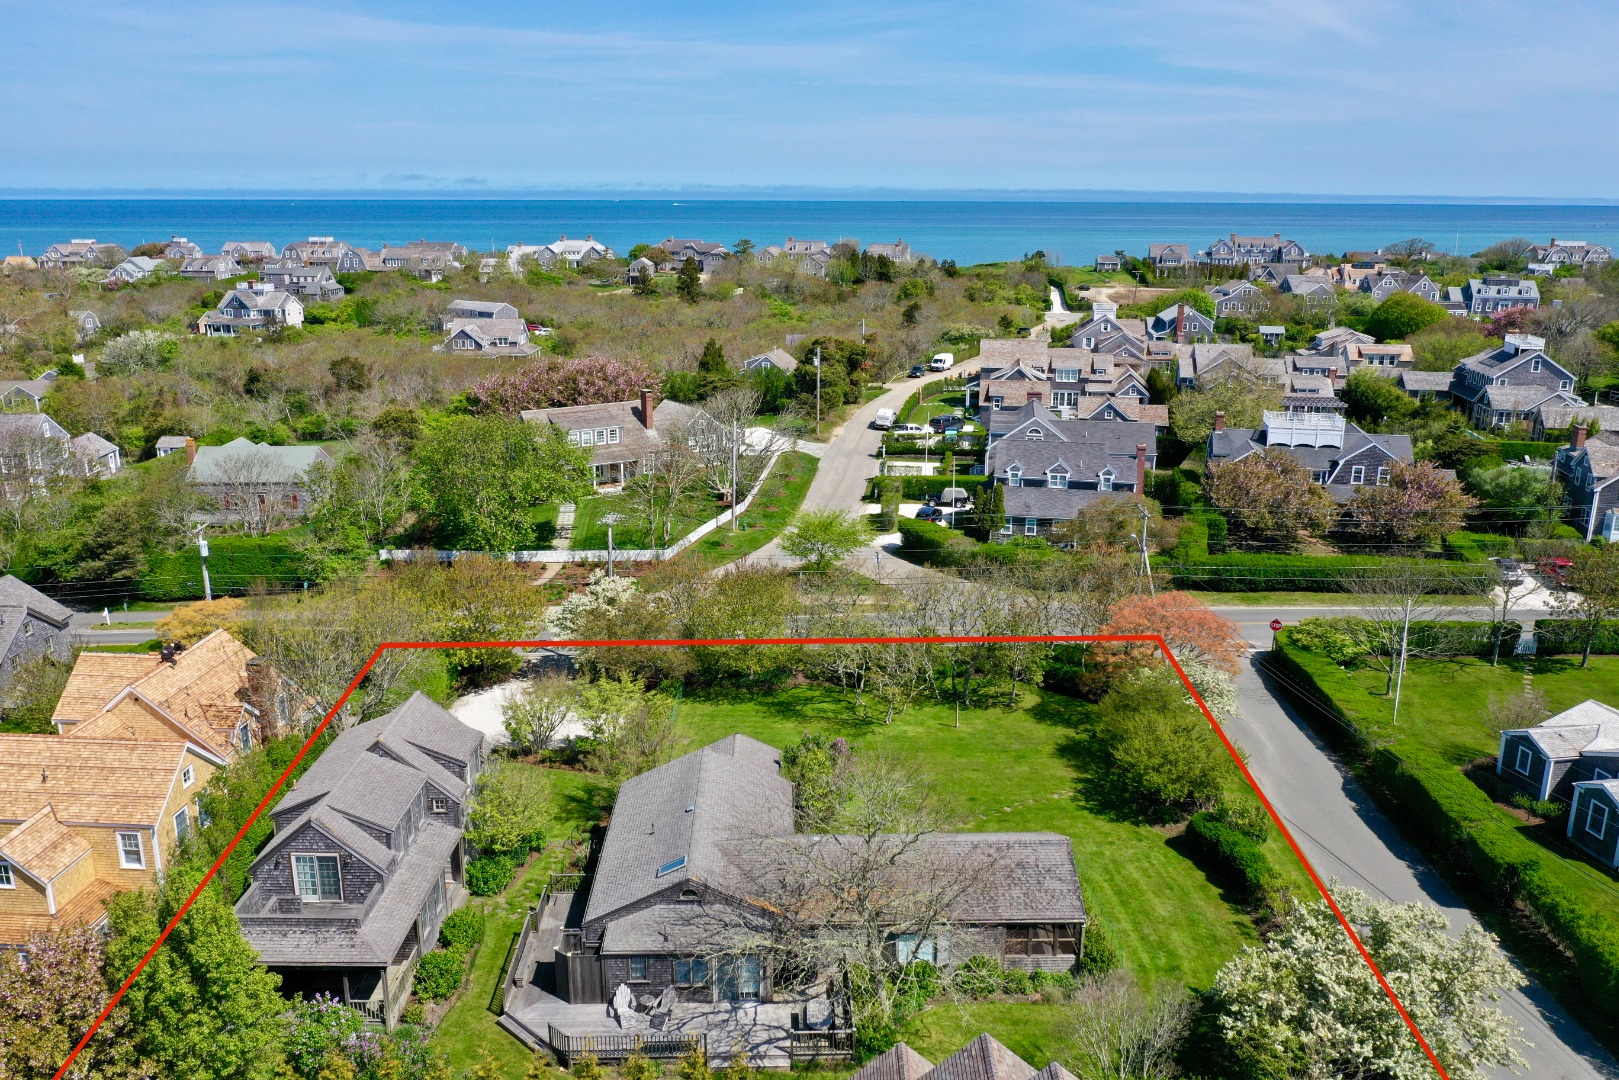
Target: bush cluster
1231	857
463	928
490	874
984	977
439	973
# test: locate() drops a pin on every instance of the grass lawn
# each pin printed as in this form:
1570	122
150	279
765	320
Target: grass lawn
1034	1032
1033	768
589	534
469	1025
778	500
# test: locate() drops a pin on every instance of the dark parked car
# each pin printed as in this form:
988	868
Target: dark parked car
917	371
1511	572
930	513
945	423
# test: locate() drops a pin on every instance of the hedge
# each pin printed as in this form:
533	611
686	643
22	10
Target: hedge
1517	450
490	874
934	545
1455	822
921	487
1230	857
236	564
1476	547
1193	567
439	973
462	929
1556	636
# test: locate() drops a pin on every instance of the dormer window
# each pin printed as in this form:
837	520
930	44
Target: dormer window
1057	477
1104	480
1034	433
1534	365
1564	384
1357	474
1014	476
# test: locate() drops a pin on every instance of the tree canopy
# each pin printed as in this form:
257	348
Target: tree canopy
1244	402
1270	495
1402	315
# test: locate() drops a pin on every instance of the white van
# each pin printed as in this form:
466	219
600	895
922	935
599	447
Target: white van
942	361
883	420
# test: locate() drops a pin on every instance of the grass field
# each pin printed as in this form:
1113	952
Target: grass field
778	500
590	534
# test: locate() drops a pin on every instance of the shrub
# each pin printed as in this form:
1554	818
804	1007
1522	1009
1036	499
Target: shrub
463	928
1476	546
979	977
934	545
1340	639
1556	636
438	974
414	1014
490	874
1230	857
1101	955
874	1037
1016	981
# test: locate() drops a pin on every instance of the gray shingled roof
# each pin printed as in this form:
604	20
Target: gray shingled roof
20	594
1589	726
982	1059
899	1062
1055	504
281	464
1424	380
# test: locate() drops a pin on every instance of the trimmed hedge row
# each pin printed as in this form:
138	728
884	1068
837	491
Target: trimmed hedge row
1517	450
1194	568
1476	547
922	487
1457	824
1565	636
236	564
1231	857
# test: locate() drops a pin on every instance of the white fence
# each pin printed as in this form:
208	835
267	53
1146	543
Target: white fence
602	554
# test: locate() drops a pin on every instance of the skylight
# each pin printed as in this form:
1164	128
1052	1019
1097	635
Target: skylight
671	866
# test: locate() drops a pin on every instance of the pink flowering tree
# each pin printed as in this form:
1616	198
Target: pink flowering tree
553	382
1419	503
50	991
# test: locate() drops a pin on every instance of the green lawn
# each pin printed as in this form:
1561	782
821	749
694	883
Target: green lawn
778	500
1029	769
590	534
578	799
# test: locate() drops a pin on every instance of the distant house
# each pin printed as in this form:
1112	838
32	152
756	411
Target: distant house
487	327
94	456
34	448
1314	291
1383	285
710	257
1561	253
1169	256
1506	385
1236	250
326	251
210	267
1587	468
1182	323
623	436
86	324
1272	335
1108	264
1338	455
314	283
1236	298
1557	421
780	359
1208	364
1394	355
13	263
1273	274
180	248
258	306
1424	385
367	858
216	693
1454	300
1497	293
26	393
134	269
32	626
564	252
1103	332
172	444
642	271
250	250
429	260
73	253
899	251
810	256
1336	338
250	481
1548	761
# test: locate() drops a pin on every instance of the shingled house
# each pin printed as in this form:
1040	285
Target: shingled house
692	850
1338	454
366	860
982	1059
32	625
1587	468
623	436
1053	469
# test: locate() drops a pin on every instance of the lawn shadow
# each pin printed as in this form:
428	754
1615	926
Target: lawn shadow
1098	787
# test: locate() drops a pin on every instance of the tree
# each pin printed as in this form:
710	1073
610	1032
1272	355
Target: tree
1160	746
53	989
1419	504
136	352
29	696
1402	315
1592	597
630	730
989	512
1442	346
1270	495
1120	1032
477	477
511	807
1196	299
1511	256
823	538
1243	400
1305	1004
476	598
665	486
550	382
363	497
689	281
1188	626
1526	708
535	714
713	373
190	623
1408	251
1513	497
203	1007
1373	398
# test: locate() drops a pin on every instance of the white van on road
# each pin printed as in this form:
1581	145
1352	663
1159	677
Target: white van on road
942	361
883	420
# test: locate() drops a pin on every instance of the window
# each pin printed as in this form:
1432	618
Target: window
1534	365
438	806
739	979
613	435
1320	476
6	880
1031	526
1596	819
1057	478
1523	761
912	947
1014	476
1041	939
995	404
587	438
202	813
1357	474
317	877
244	736
601	436
671	866
638	969
1104	480
1067	374
1090	343
573	438
1564	384
130	855
691	972
1601	774
1034	433
186	776
1382	474
182	823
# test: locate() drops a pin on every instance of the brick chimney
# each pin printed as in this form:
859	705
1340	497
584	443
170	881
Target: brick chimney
1180	323
646	408
191	451
1141	468
1577	436
1219	420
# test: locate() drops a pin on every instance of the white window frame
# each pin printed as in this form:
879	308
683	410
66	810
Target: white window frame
8	878
1382	474
124	852
1035	434
1523	760
438	805
1357	474
1014	476
1564	384
1031	526
1104	480
182	823
1597	827
187	776
319	897
1057	478
1534	365
613	436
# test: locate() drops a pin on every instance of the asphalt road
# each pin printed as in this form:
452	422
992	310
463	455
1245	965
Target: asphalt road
1347	838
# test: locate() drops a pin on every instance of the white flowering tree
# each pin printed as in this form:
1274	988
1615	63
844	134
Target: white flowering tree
602	595
1214	686
1306	1004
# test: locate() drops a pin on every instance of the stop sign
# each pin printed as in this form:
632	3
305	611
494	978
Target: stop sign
1275	624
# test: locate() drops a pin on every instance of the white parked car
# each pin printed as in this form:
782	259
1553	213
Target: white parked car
942	361
909	429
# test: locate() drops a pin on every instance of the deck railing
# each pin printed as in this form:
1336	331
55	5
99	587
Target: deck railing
821	1046
375	1010
613	1047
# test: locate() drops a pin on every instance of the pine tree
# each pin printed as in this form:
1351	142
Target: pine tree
694	1065
587	1067
689	282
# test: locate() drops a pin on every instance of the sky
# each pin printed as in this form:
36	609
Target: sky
1424	98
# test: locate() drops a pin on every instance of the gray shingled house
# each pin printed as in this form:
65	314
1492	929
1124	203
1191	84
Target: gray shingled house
1508	384
32	625
366	860
1053	469
688	868
1339	455
1572	757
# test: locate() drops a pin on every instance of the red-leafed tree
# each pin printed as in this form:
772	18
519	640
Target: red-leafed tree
1512	321
1188	626
1419	504
553	382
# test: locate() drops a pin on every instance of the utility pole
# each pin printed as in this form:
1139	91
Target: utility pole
202	549
1399	674
817	391
1146	560
733	473
610	520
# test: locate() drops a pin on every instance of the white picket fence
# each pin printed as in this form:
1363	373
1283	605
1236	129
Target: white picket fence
602	555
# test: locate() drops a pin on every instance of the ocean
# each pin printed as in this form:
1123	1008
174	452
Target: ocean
968	231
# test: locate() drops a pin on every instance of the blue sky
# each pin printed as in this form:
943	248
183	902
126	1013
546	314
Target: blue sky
1377	97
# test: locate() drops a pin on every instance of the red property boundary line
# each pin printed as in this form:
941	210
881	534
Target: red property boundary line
1151	639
